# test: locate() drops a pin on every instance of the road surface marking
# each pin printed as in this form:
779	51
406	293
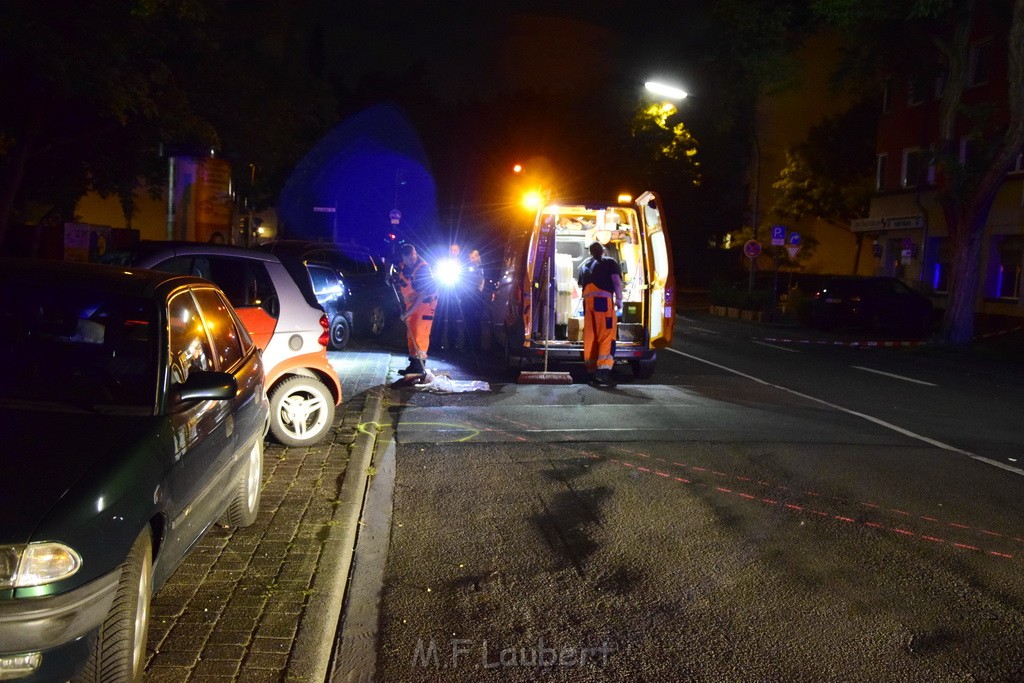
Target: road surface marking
889	374
774	346
869	418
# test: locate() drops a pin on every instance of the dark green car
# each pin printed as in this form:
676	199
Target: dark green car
132	417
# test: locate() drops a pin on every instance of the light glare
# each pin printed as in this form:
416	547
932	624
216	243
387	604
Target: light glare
665	90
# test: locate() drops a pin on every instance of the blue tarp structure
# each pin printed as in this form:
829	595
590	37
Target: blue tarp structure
367	167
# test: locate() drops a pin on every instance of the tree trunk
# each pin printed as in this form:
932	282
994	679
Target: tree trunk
966	216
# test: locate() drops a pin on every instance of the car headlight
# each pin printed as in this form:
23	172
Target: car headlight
36	564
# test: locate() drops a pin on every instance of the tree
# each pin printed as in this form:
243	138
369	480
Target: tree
925	38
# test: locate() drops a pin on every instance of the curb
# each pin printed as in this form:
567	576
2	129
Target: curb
312	649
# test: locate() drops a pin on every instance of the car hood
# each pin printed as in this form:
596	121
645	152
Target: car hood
45	453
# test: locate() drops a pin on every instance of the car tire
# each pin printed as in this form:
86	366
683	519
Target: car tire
244	507
301	411
643	369
339	333
120	650
376	320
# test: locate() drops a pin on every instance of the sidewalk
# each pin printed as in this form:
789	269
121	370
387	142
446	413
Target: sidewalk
262	603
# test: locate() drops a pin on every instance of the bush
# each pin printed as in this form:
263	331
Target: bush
736	295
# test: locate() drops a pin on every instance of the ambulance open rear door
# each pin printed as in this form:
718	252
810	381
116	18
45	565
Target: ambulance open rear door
659	306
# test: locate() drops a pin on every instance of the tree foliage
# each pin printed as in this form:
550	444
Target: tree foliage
97	88
828	175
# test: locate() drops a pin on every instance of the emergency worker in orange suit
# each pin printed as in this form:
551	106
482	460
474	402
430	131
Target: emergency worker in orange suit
419	295
601	281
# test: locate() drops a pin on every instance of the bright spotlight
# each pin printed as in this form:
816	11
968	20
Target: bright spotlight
448	272
533	200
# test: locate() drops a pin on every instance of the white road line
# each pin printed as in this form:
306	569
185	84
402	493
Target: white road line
889	374
775	346
869	418
701	329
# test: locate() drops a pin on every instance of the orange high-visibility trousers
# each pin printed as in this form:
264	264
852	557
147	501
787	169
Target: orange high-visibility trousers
599	328
417	329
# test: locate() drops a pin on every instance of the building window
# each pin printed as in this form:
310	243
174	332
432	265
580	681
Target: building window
887	95
917	91
938	255
918	167
1010	254
979	63
880	163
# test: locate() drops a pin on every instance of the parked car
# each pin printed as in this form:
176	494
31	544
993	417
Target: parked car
285	320
878	303
332	294
132	417
371	298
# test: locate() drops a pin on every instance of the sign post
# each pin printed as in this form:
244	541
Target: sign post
331	210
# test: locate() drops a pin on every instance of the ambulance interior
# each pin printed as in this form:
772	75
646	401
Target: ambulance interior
618	230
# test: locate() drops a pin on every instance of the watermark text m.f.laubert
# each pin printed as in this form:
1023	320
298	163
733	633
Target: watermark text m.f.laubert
466	652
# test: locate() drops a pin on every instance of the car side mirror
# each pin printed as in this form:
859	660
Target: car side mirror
205	385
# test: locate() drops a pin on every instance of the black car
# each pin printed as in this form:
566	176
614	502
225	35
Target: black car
132	417
372	300
332	294
877	303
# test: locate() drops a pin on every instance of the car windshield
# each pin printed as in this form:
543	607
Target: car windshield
81	346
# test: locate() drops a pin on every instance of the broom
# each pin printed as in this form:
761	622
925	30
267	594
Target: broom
546	377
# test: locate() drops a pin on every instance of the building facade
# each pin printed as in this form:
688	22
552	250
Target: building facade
906	227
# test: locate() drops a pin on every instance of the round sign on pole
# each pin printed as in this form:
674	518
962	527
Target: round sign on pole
396	216
752	249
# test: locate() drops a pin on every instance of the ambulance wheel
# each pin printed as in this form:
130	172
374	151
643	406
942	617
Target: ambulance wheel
642	369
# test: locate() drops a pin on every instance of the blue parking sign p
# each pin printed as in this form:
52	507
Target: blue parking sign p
778	235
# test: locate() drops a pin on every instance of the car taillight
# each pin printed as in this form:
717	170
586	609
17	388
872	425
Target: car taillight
325	338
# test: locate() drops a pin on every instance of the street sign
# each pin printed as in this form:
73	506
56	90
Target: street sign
793	249
396	216
324	209
794	239
752	249
778	235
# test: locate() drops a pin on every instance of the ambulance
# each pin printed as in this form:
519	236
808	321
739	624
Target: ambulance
537	308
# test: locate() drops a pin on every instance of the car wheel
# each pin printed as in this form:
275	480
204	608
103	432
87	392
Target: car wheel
120	650
339	333
642	369
376	320
301	411
245	505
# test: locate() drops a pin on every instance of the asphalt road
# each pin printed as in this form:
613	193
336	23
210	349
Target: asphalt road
757	511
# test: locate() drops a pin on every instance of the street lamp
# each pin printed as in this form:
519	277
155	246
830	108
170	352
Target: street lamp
664	90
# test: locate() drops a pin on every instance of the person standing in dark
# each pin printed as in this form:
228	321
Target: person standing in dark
601	281
419	296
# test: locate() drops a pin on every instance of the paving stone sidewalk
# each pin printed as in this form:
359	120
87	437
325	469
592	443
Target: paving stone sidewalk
233	610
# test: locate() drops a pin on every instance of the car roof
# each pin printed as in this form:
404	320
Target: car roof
182	248
132	281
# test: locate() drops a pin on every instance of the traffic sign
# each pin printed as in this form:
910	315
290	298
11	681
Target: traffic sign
793	249
752	249
396	216
325	209
794	239
778	235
